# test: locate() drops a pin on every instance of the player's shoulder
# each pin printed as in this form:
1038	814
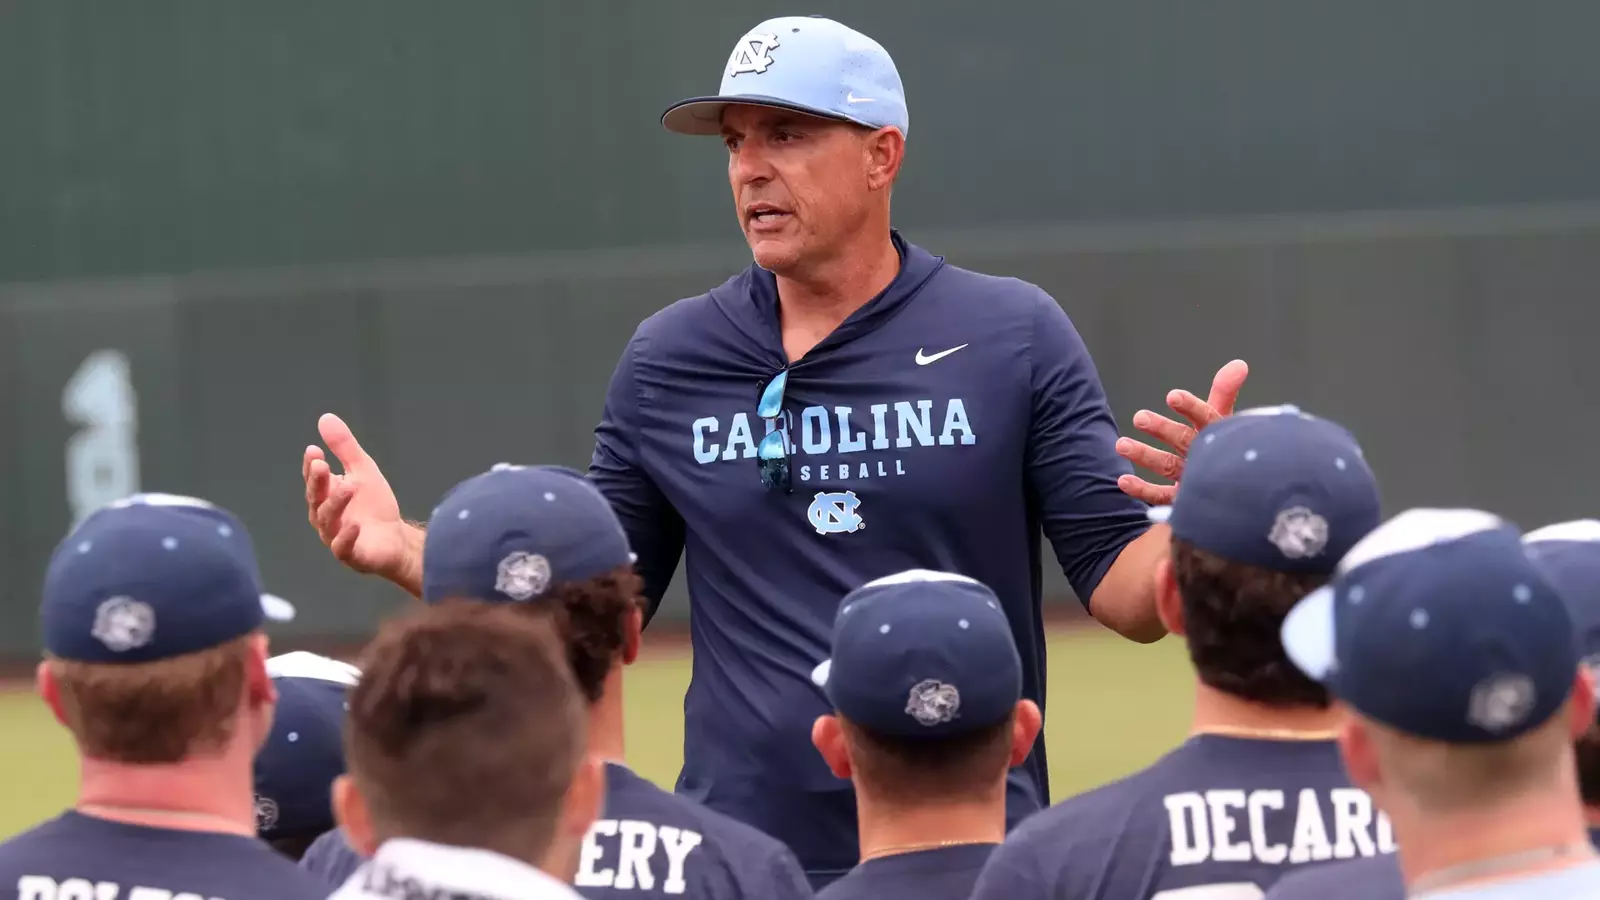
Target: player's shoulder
73	845
1094	822
1370	877
629	795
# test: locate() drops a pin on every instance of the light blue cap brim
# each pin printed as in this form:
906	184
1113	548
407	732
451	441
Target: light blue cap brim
819	675
276	608
1158	514
1308	637
702	116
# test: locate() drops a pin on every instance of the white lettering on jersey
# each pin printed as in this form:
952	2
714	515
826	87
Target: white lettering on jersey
1230	826
618	854
43	887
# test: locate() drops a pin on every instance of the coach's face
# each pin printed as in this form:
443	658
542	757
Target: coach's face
804	186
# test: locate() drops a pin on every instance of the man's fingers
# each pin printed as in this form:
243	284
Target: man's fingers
1174	434
1225	387
337	435
1167	465
1153	494
330	514
343	544
1197	411
312	454
317	477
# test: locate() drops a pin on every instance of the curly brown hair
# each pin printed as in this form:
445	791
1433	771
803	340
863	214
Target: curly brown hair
591	617
1232	615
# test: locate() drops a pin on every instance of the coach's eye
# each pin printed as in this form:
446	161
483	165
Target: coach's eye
731	143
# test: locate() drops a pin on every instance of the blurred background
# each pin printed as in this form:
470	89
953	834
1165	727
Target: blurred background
220	219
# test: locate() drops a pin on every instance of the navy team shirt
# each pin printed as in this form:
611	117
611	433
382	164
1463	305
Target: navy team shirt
79	857
941	426
1376	878
1225	813
940	873
648	843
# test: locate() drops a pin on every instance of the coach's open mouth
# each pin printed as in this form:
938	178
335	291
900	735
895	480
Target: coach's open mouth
764	215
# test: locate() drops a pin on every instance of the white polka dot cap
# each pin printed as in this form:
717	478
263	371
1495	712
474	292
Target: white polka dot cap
510	534
1277	488
922	654
1440	624
153	576
1568	553
304	752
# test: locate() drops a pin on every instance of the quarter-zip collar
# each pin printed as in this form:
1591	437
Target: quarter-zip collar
750	301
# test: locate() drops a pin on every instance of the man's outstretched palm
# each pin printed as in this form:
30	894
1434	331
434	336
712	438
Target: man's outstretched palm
355	513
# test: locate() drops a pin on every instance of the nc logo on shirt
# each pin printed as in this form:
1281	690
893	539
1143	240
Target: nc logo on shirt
834	512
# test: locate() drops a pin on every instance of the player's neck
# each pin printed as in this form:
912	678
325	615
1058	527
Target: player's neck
605	720
204	794
1433	844
1216	712
889	829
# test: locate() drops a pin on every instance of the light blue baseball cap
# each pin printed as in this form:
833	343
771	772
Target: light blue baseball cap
808	64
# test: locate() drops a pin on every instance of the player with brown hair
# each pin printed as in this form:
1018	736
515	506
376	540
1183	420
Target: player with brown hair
543	541
1270	499
469	773
156	663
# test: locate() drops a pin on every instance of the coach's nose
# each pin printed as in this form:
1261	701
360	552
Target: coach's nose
750	164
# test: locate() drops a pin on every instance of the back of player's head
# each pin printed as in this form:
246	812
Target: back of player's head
152	611
1269	501
467	729
926	682
1457	656
543	539
1568	553
304	754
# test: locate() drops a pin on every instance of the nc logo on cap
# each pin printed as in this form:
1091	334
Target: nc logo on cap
123	624
753	55
266	813
932	702
523	576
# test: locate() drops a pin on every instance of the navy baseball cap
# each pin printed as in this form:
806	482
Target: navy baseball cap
1568	553
1276	488
1439	624
150	577
922	654
808	64
512	532
296	767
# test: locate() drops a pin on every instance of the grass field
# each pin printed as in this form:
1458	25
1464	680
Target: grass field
1114	706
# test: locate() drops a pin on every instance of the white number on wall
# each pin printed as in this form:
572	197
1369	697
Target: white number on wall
103	456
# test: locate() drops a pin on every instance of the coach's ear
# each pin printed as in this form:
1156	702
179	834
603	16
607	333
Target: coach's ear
351	814
632	629
1169	603
44	681
828	738
1025	725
